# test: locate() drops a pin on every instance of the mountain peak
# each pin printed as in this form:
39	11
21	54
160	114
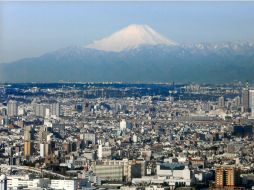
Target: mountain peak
130	37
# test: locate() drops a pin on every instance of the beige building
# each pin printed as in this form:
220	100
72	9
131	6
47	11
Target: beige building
118	169
227	176
27	148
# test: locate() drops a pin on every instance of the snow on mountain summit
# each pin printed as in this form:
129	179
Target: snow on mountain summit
129	38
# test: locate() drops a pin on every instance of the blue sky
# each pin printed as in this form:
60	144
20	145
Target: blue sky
32	28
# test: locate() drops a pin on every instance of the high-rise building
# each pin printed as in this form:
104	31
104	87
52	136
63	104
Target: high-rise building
43	132
4	112
12	108
27	148
221	102
40	110
227	176
219	177
103	152
3	182
28	137
27	134
245	99
251	102
123	124
237	101
55	109
45	149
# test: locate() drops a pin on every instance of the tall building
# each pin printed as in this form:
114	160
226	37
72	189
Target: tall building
28	133
103	152
227	176
28	137
27	148
219	177
237	101
45	149
40	110
245	99
3	182
55	109
251	102
43	132
12	108
125	124
4	112
221	102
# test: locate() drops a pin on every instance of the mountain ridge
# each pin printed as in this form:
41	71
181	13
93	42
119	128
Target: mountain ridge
137	53
213	63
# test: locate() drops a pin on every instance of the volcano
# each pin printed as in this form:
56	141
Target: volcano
131	37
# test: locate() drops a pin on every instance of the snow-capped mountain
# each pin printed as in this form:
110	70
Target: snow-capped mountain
137	53
131	37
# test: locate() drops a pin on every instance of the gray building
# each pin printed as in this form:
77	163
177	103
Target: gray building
245	99
12	108
55	109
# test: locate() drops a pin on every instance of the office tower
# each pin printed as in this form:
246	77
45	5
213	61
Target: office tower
3	182
12	108
226	176
251	102
221	102
245	99
55	109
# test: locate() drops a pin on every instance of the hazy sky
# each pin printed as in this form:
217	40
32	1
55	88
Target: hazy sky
33	28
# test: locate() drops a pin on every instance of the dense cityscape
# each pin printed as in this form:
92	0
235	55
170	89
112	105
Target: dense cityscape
126	95
69	136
